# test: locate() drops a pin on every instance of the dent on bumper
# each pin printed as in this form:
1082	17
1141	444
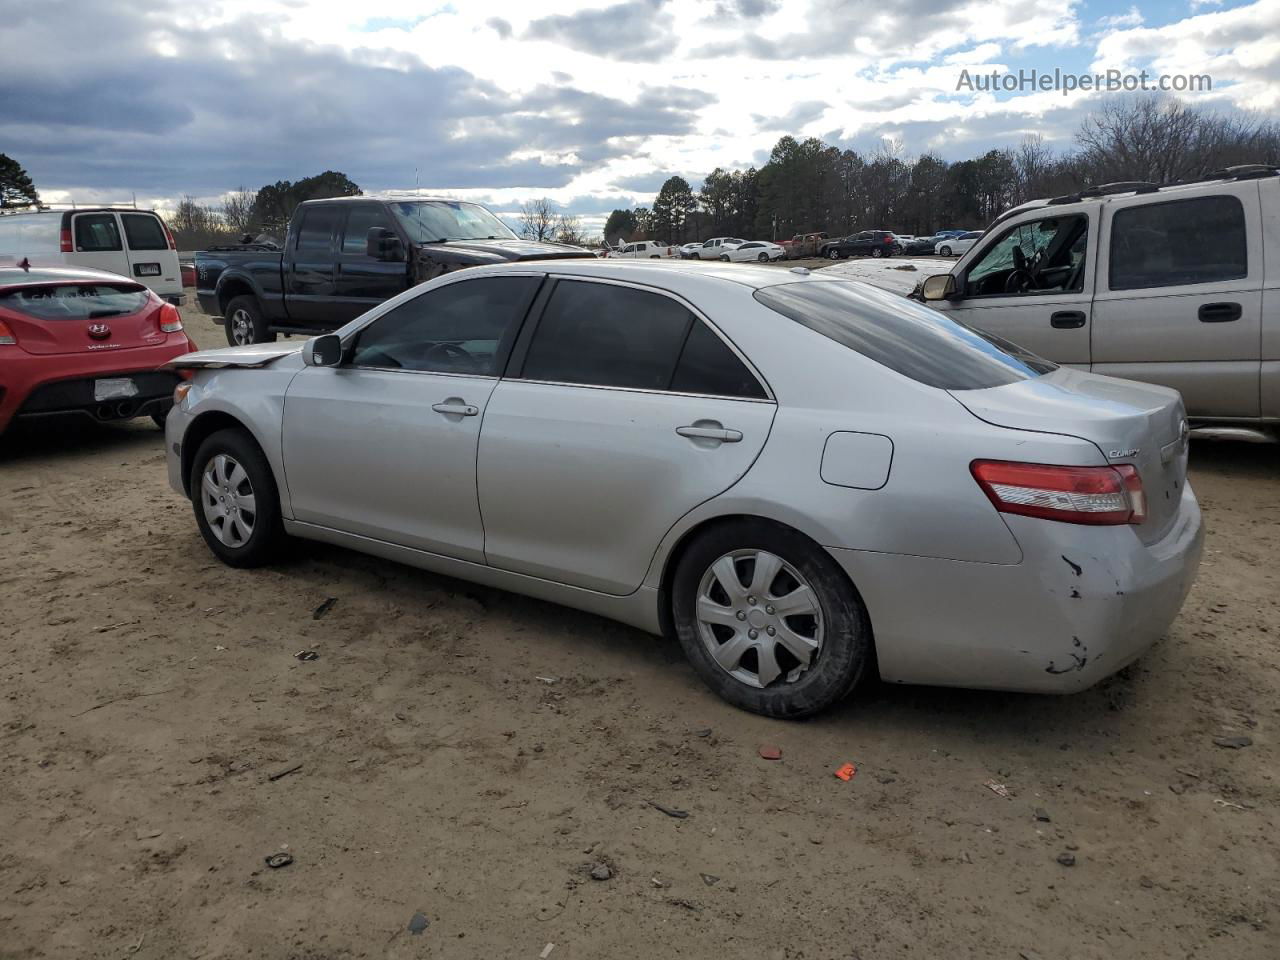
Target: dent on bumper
1083	604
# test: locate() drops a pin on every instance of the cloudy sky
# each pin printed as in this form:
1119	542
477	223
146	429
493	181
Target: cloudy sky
591	103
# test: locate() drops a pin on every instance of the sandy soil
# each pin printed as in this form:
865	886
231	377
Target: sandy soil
472	756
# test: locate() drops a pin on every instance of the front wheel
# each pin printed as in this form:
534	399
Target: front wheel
235	499
877	253
724	257
763	258
244	323
833	254
945	251
768	620
694	256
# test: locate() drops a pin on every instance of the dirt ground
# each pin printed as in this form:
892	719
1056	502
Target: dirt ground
472	756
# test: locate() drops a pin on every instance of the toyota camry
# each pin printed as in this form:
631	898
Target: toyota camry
804	480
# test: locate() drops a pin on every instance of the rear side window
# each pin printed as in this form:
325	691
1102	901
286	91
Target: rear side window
907	337
317	227
707	365
76	301
97	232
458	328
143	231
1201	240
598	334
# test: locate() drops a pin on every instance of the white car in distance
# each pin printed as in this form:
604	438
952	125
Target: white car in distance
715	248
957	246
645	250
755	250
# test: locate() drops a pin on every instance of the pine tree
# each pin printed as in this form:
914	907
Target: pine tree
16	188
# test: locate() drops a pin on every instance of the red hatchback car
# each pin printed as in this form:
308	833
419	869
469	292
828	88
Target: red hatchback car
83	341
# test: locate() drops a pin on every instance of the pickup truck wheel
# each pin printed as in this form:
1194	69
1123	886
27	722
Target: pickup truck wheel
244	323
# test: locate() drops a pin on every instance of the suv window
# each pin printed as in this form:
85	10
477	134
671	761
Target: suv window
97	232
317	227
143	231
907	337
1036	257
361	218
462	327
599	334
707	365
1199	240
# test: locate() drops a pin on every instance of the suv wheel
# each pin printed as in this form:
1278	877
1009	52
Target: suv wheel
244	324
768	620
235	499
833	254
877	252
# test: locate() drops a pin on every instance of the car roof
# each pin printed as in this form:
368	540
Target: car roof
653	271
12	275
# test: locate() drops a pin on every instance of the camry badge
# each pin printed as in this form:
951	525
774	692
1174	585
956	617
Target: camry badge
99	331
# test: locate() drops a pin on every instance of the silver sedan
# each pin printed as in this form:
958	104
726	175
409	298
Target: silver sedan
803	480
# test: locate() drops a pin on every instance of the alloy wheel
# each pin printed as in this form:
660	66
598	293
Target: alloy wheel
833	254
241	327
758	618
228	501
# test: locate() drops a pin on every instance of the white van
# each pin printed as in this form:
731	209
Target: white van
132	243
1176	285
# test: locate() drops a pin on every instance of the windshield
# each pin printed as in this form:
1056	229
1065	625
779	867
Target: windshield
430	221
77	301
904	336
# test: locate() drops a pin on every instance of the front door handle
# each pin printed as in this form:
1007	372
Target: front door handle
709	430
455	406
1219	312
1067	319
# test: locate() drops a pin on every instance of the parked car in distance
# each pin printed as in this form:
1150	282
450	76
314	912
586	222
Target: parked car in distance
868	243
950	233
713	249
774	467
645	250
687	249
345	255
918	245
87	342
804	245
1167	284
762	251
956	246
125	241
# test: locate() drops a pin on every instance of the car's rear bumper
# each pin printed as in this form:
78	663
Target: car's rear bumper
1085	602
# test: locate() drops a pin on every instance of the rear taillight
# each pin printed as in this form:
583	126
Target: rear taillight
1092	495
168	236
65	241
6	335
170	319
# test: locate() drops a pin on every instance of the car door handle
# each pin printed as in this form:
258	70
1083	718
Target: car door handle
1067	319
709	430
455	406
1219	312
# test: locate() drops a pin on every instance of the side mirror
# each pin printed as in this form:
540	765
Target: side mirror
383	244
325	351
941	286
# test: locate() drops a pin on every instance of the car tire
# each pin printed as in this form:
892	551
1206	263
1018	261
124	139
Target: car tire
877	252
839	625
243	322
763	258
694	256
655	257
161	416
235	462
945	251
833	254
724	257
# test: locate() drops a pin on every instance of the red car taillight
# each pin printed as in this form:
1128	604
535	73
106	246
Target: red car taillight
6	334
168	236
1092	495
170	319
65	241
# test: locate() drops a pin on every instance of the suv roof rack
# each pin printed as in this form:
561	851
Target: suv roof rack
1243	171
1120	186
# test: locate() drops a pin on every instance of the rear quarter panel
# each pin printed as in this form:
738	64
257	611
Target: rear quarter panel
1269	192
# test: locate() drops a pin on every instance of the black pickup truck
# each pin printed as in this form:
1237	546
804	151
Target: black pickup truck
345	255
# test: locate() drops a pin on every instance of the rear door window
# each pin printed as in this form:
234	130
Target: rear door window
97	232
907	337
144	232
707	365
599	334
316	229
1199	240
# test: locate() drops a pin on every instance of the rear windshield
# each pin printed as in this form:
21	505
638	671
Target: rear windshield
907	337
76	301
143	231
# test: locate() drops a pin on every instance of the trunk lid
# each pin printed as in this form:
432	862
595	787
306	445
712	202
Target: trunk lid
1129	422
82	316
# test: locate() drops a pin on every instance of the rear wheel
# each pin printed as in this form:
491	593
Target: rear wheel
877	253
763	258
945	251
235	499
768	620
244	323
833	254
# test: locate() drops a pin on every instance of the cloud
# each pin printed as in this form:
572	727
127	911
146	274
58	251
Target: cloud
499	26
635	31
1132	18
798	116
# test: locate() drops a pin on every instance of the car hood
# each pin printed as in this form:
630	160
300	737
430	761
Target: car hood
254	355
505	251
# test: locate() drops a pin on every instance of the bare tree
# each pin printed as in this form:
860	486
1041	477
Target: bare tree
237	209
569	230
538	219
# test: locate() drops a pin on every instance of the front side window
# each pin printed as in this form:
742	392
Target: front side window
1039	256
316	228
97	232
360	220
458	328
143	231
907	337
1201	240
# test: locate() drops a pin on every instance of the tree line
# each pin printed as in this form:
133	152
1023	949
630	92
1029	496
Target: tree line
809	185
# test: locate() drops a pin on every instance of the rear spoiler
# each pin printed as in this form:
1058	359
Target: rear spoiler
253	356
